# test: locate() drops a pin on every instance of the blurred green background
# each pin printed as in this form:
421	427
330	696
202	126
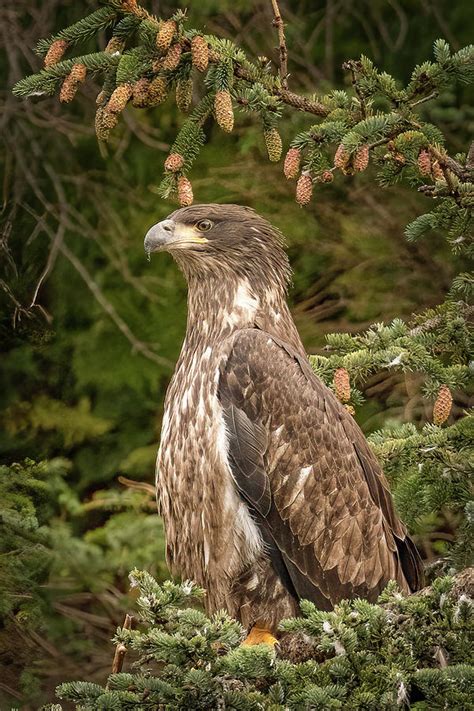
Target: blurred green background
90	330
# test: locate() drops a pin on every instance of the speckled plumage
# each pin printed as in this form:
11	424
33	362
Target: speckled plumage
267	487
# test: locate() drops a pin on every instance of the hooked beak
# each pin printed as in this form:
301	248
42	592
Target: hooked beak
168	234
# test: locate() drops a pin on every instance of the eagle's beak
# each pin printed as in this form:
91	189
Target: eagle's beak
168	234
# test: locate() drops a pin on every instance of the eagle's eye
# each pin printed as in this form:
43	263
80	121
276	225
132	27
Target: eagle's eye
204	225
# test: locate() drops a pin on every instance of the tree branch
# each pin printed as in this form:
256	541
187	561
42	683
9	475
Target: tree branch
446	161
278	23
121	649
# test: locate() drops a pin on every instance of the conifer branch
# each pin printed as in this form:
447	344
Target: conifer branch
279	24
121	649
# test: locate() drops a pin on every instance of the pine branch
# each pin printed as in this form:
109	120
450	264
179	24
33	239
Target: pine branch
278	23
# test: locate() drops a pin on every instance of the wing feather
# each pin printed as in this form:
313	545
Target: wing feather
304	468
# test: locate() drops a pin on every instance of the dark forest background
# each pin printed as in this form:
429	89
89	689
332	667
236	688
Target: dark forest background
90	330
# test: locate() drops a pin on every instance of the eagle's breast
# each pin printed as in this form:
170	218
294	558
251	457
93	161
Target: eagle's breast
209	530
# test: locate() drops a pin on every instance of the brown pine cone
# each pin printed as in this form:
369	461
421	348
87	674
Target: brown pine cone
443	405
185	192
120	98
78	72
141	93
100	98
224	111
291	167
114	45
165	35
55	52
304	189
70	85
341	158
174	162
184	94
361	159
68	90
173	56
104	123
424	162
158	91
436	171
273	144
199	53
327	176
342	384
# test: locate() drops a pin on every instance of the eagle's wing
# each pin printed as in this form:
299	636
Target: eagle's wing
310	480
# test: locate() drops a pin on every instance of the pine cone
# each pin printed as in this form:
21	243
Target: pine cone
304	189
158	91
70	85
399	158
68	90
78	73
424	162
185	192
55	52
184	94
173	56
120	98
341	158
224	111
174	162
165	35
327	176
141	93
104	123
115	44
200	53
291	167
342	384
443	405
361	159
436	171
100	98
273	144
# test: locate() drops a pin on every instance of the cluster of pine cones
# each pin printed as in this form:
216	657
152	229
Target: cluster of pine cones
147	92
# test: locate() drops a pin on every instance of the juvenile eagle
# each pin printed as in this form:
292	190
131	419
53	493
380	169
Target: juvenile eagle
268	489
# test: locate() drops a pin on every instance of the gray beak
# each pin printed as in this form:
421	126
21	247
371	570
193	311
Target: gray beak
159	236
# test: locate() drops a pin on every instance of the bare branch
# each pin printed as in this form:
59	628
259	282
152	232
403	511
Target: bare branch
446	161
470	157
121	649
137	345
53	253
278	23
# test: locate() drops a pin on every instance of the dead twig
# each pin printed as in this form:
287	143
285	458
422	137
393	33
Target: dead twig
279	24
121	649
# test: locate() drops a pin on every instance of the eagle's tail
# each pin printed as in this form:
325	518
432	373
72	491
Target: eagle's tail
412	565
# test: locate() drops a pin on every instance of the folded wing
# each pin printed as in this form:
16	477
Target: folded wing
310	480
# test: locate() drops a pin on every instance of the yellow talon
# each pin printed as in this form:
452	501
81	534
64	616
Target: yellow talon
260	635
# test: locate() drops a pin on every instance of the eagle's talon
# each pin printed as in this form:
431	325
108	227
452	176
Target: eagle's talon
260	635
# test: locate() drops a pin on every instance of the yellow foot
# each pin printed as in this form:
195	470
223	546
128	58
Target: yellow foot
260	635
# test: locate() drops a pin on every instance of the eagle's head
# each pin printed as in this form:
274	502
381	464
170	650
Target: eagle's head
222	241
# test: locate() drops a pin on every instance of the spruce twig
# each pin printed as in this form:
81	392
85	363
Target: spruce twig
121	649
279	24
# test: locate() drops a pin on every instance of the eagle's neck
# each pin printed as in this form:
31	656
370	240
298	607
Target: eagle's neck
219	307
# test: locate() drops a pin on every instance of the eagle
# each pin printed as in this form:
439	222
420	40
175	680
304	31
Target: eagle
268	489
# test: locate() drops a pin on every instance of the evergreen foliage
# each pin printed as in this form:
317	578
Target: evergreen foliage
96	407
377	121
411	652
